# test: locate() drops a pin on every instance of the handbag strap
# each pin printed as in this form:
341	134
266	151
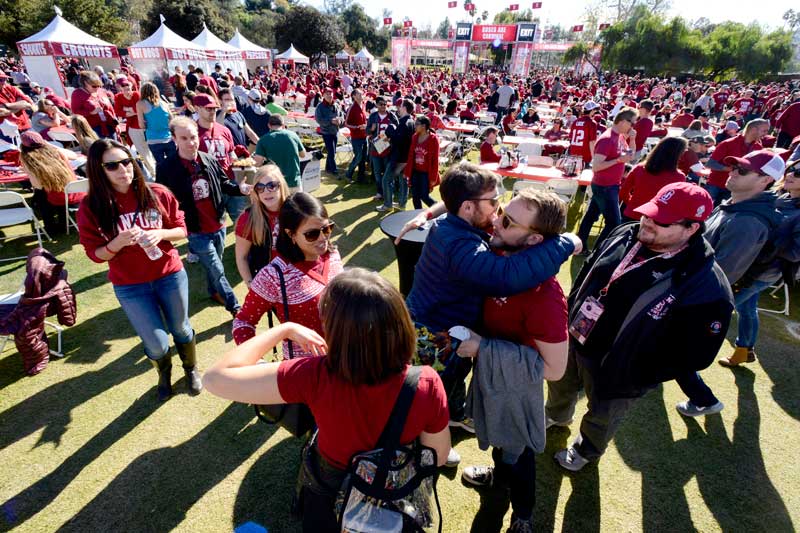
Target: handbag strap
390	437
285	304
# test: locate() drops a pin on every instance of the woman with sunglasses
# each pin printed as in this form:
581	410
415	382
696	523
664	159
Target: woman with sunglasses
307	261
422	167
257	228
130	224
93	103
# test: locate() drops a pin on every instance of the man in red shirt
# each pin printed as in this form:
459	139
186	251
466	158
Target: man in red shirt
644	126
788	122
583	134
744	105
535	319
356	121
684	119
488	155
744	143
14	104
721	100
614	148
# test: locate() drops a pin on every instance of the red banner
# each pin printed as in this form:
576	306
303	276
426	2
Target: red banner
513	7
84	50
578	28
401	54
34	49
488	33
137	52
460	57
407	24
185	53
469	7
430	43
451	33
537	5
452	4
521	59
387	21
604	26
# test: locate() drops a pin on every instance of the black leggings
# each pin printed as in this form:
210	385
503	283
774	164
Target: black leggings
521	478
420	189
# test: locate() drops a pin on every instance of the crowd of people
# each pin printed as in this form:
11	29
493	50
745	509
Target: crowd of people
688	237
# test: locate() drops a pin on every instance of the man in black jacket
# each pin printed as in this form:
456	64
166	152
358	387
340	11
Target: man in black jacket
650	305
395	188
198	182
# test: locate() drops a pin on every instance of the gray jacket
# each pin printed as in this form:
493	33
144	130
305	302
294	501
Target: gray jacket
506	397
324	114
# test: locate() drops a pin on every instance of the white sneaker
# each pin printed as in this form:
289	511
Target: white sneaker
453	458
570	459
687	408
382	208
192	258
549	422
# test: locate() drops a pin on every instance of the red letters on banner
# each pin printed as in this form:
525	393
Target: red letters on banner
604	26
407	24
387	21
578	28
488	33
537	5
513	7
452	4
469	7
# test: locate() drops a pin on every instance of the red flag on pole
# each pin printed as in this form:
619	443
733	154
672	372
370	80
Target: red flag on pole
578	28
537	5
387	21
469	7
408	24
513	7
452	4
604	26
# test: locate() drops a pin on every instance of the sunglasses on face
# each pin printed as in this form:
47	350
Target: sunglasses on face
114	165
494	200
745	171
269	187
506	221
313	235
684	223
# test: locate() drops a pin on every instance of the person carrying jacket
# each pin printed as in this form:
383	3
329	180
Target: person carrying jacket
649	305
329	117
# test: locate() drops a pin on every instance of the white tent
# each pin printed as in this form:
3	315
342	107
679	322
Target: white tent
364	59
254	56
62	39
291	56
221	53
164	50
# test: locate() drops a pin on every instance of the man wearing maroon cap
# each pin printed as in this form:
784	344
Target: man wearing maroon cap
649	305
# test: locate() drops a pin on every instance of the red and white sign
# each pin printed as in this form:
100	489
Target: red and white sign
146	52
430	43
537	5
68	50
521	59
387	21
34	49
401	54
488	33
604	26
407	24
460	57
469	7
185	53
452	4
257	54
513	7
451	33
578	28
552	47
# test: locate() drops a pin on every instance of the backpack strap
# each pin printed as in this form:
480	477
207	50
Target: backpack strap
285	304
390	438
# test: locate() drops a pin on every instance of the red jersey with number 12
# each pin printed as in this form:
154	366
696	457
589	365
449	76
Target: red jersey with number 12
582	133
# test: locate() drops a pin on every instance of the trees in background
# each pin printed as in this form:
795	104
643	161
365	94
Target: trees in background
312	32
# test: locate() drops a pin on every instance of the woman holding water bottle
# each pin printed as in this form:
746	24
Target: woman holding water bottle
130	224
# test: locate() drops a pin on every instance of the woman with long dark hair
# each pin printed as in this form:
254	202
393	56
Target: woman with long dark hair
369	339
306	262
646	179
130	224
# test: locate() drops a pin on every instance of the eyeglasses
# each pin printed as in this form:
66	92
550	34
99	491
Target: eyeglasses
313	235
506	221
495	200
745	171
684	223
114	165
269	187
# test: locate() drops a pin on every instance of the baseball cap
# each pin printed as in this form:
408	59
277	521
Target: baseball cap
762	161
676	202
3	75
122	81
31	139
204	100
590	105
708	139
254	94
731	125
693	135
33	85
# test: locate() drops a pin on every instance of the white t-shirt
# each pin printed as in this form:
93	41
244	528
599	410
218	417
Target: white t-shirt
504	94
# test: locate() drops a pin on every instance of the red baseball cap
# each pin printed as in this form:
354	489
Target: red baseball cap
3	75
762	161
676	202
204	100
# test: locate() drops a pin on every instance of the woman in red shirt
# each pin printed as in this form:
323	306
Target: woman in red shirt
307	261
257	228
646	179
422	167
555	133
488	155
93	103
369	339
131	224
125	106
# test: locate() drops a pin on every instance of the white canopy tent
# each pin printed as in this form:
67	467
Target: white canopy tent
221	53
254	56
291	56
342	57
364	59
62	39
158	55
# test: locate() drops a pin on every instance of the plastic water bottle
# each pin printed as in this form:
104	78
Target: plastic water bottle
153	252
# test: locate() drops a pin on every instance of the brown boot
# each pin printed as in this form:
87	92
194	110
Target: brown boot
740	355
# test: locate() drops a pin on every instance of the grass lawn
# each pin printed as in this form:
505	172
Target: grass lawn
85	446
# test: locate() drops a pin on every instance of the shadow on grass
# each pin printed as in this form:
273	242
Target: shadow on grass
779	361
156	490
730	473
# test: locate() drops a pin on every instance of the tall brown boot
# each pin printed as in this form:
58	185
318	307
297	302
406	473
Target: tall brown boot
740	355
188	355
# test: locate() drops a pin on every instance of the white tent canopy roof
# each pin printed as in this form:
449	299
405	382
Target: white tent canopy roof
293	55
364	54
342	54
239	41
209	41
61	31
166	38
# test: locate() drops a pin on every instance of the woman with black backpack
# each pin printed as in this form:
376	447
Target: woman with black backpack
369	341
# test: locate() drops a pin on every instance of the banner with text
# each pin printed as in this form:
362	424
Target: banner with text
488	33
460	57
463	31
401	54
521	59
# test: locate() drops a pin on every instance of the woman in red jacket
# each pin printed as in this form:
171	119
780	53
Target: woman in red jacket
422	167
93	103
130	224
646	179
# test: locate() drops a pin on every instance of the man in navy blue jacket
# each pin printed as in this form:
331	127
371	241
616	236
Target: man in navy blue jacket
457	269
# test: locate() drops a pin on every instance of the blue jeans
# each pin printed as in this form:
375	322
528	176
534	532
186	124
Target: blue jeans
359	159
379	165
718	194
420	190
605	201
234	205
208	247
330	146
696	389
746	302
156	308
162	151
394	181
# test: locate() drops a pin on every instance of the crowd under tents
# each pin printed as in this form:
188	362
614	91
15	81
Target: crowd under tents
254	56
221	53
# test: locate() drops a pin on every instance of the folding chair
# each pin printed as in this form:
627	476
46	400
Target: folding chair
71	188
12	216
565	188
775	288
530	149
65	138
527	184
343	148
13	299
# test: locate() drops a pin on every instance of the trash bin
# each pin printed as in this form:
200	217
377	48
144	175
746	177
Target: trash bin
410	247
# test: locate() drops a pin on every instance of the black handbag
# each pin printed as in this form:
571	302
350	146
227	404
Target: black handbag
296	418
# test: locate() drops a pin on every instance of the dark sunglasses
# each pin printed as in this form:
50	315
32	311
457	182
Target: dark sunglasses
269	187
684	223
506	221
495	200
114	165
745	171
313	235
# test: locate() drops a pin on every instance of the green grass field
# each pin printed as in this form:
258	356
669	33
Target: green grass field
86	447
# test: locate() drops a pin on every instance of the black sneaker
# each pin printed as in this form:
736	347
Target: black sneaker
520	525
478	476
